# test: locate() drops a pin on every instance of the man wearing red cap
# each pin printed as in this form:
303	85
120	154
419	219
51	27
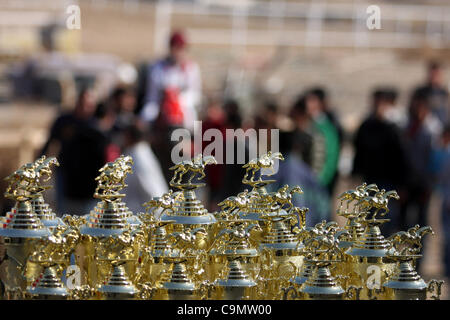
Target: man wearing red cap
171	94
173	88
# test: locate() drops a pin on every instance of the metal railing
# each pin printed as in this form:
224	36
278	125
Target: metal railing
308	24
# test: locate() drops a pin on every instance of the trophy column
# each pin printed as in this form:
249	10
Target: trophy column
107	234
21	229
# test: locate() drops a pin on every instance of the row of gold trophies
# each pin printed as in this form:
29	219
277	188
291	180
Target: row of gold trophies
256	247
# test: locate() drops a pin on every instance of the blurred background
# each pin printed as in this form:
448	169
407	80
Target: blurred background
352	104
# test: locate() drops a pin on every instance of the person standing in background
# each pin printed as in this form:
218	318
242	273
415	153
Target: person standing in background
147	180
380	156
214	118
233	120
124	102
325	147
418	146
438	98
441	173
173	87
322	99
172	93
296	169
105	116
301	138
82	151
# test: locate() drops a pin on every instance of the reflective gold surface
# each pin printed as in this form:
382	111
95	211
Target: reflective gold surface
256	247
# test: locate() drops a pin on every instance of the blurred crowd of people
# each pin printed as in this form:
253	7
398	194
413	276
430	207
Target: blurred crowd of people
409	153
406	152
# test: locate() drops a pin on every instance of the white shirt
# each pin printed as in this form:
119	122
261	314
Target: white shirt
185	78
147	180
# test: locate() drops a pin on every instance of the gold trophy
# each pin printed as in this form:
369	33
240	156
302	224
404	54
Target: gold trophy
371	251
107	232
188	217
257	204
49	286
237	285
185	279
182	284
406	283
323	252
256	247
235	236
53	253
158	250
40	207
186	210
21	229
354	228
275	215
233	251
280	246
118	286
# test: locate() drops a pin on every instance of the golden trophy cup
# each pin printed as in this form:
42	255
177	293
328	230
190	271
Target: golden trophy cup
237	285
107	232
256	247
405	283
371	250
231	243
49	286
21	229
40	207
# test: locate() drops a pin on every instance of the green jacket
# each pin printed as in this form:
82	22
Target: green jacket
325	127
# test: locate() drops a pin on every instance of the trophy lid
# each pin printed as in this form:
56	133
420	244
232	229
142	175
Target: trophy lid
205	219
372	243
405	276
42	209
321	282
307	270
179	279
53	223
105	219
118	282
22	222
279	237
247	252
50	284
187	209
184	206
160	246
236	277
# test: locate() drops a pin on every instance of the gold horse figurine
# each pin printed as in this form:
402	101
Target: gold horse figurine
379	201
196	166
266	161
277	200
359	193
410	242
112	177
23	183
